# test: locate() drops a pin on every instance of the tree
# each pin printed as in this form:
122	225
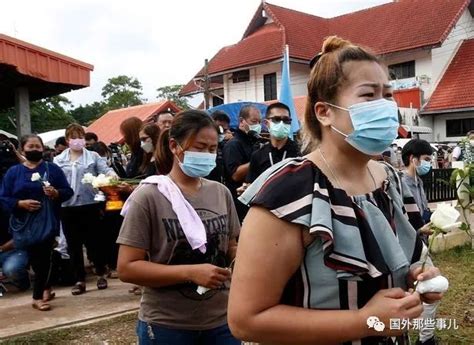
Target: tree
171	93
46	115
86	114
122	92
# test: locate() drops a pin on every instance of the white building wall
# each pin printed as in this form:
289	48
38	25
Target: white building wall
439	125
253	90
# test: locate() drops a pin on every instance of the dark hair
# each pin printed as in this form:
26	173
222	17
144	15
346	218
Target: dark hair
184	128
130	129
24	139
91	136
153	131
219	115
60	141
74	128
14	142
326	78
416	148
278	105
101	148
245	111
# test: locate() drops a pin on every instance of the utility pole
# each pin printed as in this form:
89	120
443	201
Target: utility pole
207	85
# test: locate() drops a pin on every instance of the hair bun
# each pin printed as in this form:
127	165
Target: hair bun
333	43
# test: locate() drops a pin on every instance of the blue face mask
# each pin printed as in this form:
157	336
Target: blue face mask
198	164
375	125
424	168
256	128
279	130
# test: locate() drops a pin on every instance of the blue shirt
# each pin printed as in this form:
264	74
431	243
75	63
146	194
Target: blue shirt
89	162
17	185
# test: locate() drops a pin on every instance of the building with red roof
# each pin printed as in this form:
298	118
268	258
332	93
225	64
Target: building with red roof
107	127
418	39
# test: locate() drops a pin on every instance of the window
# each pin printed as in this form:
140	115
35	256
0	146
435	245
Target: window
217	101
270	86
402	70
459	127
241	76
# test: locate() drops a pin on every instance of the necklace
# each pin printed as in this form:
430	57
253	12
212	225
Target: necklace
334	175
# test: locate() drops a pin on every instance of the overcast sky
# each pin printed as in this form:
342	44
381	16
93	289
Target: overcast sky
159	42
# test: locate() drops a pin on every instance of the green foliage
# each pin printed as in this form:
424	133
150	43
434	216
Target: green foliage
171	93
86	114
46	115
122	92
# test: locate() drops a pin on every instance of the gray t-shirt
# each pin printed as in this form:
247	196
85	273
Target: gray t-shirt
152	225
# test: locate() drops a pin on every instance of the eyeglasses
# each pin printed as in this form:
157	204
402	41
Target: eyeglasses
277	119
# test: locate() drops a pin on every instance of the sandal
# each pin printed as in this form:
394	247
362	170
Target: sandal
78	289
102	283
41	305
48	295
136	290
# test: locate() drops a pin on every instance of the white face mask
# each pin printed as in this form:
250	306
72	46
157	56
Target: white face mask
147	146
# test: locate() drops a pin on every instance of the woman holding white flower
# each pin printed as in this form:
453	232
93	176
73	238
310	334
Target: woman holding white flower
327	244
187	226
23	190
81	214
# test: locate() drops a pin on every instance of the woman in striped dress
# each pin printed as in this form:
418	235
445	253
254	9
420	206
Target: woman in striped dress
327	253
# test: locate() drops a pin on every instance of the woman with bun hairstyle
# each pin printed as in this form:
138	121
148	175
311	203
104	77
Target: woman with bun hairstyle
332	227
187	225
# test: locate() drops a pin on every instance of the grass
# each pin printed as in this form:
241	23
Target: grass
458	303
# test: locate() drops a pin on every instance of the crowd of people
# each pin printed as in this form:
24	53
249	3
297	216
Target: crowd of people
331	236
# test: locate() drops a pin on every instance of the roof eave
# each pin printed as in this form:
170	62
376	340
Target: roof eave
446	111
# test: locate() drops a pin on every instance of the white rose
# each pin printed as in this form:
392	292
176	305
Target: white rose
202	290
436	284
444	216
88	178
35	177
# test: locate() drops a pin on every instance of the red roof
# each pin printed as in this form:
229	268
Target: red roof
456	88
107	127
43	72
396	26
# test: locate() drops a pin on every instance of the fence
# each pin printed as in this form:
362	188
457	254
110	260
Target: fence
435	189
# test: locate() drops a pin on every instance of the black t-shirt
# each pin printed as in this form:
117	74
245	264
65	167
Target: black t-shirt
133	166
236	153
4	223
268	155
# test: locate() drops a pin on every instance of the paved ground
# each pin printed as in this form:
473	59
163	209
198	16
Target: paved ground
17	317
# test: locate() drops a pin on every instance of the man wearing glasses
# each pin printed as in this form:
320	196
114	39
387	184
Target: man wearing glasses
280	147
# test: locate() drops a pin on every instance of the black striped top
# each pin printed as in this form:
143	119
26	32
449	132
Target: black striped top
362	244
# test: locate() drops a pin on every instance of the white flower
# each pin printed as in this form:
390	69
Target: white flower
101	181
444	217
436	284
46	183
36	177
202	290
88	178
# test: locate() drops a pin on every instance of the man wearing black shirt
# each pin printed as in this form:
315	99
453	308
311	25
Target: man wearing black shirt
280	147
237	153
